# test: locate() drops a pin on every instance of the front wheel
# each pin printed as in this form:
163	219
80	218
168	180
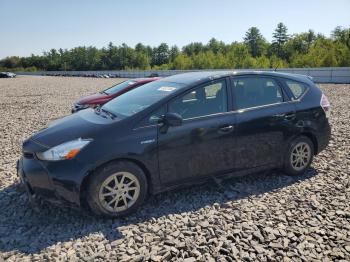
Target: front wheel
299	156
117	189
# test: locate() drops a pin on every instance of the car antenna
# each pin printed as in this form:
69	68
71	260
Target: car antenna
276	68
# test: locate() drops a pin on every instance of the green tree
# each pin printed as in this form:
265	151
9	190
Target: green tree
276	62
306	49
239	56
299	43
182	62
204	60
173	53
124	57
142	57
280	37
107	55
142	61
141	48
11	62
193	48
255	41
342	35
161	55
216	46
262	62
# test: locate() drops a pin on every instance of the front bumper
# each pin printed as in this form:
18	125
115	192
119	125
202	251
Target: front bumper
30	193
49	182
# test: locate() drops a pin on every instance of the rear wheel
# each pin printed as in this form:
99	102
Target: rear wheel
299	156
117	189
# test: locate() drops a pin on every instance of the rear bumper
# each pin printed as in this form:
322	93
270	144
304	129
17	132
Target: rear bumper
323	137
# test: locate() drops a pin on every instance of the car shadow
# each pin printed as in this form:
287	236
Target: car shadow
22	229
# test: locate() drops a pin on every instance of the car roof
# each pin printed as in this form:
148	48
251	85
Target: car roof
202	76
145	80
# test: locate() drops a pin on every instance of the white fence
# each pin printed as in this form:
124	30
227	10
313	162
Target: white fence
320	75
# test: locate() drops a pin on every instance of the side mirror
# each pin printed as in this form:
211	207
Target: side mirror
172	119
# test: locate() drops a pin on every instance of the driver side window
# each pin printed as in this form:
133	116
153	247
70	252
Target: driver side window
205	100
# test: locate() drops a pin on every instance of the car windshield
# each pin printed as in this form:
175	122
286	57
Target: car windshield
140	98
119	87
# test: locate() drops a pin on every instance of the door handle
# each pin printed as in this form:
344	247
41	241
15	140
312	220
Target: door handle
226	129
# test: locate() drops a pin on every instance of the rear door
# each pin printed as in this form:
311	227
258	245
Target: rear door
265	120
203	144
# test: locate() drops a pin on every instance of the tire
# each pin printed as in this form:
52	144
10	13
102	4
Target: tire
296	165
106	197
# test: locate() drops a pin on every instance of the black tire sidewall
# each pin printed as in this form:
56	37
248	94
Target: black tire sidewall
102	174
287	164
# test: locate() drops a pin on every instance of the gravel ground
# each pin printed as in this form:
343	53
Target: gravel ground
265	217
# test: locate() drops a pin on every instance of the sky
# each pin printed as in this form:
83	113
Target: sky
34	26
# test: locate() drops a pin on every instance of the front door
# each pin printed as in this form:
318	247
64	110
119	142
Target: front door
203	144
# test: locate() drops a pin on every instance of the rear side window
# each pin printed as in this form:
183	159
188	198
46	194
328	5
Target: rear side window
297	89
256	91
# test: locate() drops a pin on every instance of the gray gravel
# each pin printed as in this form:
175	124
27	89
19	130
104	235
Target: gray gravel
262	217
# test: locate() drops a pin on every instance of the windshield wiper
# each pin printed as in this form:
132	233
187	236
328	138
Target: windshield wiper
98	109
109	113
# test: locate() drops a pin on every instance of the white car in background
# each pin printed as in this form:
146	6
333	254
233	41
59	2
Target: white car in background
7	75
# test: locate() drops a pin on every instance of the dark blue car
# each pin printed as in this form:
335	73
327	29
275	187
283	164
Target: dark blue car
176	131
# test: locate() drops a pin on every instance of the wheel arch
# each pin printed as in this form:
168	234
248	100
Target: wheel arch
85	181
313	139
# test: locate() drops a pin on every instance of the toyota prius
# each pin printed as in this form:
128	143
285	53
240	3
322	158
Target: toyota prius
179	130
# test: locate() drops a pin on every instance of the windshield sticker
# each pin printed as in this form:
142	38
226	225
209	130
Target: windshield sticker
131	83
166	88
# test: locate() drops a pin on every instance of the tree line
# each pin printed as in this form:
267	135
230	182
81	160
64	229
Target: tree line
306	49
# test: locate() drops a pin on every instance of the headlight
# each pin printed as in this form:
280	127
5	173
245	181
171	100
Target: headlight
67	150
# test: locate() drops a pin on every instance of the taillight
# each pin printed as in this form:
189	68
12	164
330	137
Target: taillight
325	105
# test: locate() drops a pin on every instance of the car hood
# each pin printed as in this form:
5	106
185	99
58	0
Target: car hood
83	124
91	98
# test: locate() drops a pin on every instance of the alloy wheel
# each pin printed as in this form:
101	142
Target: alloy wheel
300	156
119	191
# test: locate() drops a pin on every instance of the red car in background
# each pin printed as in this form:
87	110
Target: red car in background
110	93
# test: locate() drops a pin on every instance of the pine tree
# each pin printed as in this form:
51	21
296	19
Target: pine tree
255	41
280	37
161	55
174	52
